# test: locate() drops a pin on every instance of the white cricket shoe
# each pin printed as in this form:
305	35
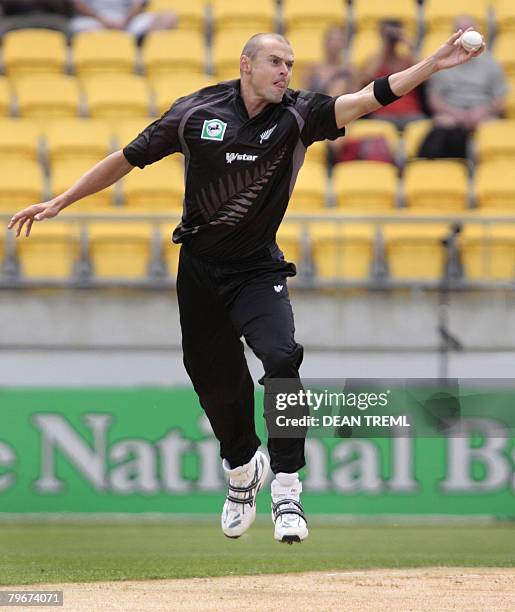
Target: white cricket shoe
287	513
245	481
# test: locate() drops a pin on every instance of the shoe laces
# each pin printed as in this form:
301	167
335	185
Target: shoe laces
240	493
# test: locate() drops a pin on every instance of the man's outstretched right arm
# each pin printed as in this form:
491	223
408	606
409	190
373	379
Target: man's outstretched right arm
102	175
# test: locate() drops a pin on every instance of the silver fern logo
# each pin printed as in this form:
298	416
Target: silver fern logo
266	134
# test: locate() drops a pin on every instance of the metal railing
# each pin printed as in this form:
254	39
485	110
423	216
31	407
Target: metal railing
158	277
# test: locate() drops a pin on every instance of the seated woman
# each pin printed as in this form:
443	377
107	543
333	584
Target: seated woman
334	76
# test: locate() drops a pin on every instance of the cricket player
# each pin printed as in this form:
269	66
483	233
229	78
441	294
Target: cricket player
243	142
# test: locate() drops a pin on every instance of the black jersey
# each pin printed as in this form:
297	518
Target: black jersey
239	171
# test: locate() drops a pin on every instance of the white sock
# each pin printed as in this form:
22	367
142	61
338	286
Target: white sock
286	480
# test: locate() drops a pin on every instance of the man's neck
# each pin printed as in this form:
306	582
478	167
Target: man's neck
253	103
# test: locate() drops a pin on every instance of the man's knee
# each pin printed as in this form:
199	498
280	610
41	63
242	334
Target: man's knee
279	362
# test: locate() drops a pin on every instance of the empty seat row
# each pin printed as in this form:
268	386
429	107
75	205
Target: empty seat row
123	96
432	185
158	187
115	250
94	138
135	250
408	252
361	187
34	51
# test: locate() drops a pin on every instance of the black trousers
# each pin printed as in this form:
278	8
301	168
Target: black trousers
218	304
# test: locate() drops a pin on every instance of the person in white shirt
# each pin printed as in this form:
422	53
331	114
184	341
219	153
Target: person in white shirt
126	15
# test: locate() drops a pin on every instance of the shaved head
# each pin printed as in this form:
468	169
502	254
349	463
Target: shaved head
266	65
255	43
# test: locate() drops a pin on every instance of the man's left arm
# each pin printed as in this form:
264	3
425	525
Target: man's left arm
382	91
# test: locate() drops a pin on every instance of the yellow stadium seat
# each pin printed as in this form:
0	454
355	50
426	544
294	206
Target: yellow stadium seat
441	14
415	251
432	41
310	189
307	14
127	130
159	186
308	49
505	15
5	97
174	54
368	14
436	184
367	128
191	12
342	251
495	140
19	139
21	184
317	152
504	52
116	98
366	44
367	186
30	52
78	139
289	239
47	97
413	136
170	251
488	251
103	52
495	185
227	48
168	89
120	250
228	15
50	253
65	172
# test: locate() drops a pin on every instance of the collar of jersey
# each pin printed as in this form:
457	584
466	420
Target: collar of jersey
242	109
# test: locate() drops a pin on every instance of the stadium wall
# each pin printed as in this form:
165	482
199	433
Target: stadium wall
124	337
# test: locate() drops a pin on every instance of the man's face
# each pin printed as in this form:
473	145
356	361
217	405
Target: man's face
270	70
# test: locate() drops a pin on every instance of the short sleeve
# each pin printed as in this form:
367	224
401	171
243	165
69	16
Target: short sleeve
320	120
157	140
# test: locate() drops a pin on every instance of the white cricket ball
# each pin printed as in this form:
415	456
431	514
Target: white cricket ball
471	40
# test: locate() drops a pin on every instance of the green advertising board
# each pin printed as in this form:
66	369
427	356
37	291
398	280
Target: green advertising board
152	450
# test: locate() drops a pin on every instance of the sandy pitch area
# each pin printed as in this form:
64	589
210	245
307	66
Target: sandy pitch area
439	589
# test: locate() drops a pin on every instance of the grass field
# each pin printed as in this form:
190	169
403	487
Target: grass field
37	553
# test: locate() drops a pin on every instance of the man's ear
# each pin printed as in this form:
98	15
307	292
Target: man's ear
245	64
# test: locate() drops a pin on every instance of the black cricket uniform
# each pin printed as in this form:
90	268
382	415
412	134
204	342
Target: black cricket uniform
231	282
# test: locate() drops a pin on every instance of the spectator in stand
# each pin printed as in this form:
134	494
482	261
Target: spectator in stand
391	58
20	14
126	15
334	76
475	92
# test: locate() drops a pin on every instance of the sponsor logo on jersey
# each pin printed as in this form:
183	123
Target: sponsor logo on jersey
230	157
266	134
278	288
213	129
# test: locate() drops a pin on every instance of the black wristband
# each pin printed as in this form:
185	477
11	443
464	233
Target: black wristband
383	92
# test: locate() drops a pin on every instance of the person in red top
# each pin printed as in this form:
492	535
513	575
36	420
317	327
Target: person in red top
393	58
